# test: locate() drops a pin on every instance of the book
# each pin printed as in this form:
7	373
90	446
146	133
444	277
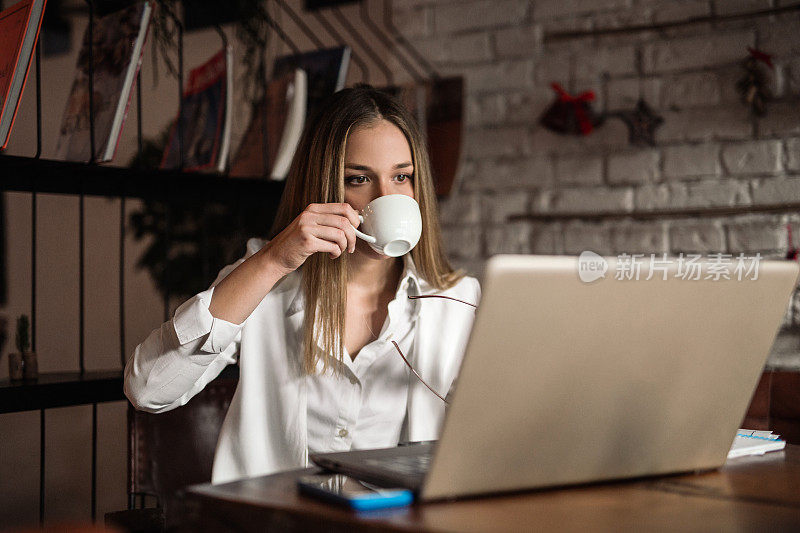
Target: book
326	71
444	130
274	131
19	31
117	44
293	130
204	119
222	160
752	442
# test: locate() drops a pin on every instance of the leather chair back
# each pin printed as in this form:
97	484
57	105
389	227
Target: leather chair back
171	450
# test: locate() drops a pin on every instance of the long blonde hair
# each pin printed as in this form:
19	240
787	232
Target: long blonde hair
317	176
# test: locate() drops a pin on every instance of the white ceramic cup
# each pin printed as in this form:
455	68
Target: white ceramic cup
391	224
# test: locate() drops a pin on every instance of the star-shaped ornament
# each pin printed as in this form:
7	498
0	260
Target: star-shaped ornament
642	122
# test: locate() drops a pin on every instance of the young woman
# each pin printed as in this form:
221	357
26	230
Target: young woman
318	322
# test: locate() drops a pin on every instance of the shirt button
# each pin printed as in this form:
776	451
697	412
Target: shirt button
343	432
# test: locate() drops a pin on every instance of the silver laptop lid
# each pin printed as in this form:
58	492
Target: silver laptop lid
567	380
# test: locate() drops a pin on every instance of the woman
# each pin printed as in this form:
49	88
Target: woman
327	376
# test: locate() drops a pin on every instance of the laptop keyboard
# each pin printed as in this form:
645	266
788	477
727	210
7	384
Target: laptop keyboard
409	465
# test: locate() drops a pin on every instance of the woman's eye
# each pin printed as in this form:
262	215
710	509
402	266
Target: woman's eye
356	179
404	177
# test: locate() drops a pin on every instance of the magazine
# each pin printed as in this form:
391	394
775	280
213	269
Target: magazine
444	127
204	119
19	31
118	42
222	160
274	131
326	71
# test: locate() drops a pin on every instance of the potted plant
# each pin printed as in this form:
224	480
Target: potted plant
23	364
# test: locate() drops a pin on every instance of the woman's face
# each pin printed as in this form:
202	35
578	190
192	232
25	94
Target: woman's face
377	162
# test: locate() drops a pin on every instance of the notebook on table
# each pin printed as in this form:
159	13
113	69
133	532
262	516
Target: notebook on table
569	378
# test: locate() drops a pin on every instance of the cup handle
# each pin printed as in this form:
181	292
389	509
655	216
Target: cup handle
369	238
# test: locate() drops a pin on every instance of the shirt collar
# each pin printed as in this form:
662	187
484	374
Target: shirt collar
409	284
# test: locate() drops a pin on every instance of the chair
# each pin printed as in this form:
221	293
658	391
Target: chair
776	405
169	451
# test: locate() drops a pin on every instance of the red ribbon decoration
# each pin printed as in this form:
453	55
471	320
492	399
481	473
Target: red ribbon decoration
576	101
761	56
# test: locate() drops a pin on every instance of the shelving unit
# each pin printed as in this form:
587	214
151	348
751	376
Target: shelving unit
174	190
37	176
62	389
25	174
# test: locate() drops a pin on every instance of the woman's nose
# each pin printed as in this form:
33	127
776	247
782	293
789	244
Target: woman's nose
384	188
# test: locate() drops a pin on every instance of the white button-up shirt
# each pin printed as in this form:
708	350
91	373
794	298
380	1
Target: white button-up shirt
274	416
364	406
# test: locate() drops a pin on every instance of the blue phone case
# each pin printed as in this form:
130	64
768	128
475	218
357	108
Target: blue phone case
361	502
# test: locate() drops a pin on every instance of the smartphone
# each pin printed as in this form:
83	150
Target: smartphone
352	493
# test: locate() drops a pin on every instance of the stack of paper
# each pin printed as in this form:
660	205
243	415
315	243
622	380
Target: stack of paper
752	442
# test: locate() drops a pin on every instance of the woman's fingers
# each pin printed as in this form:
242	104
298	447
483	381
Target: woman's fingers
342	209
342	223
332	235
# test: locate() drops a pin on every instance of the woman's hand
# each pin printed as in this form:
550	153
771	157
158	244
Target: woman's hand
319	228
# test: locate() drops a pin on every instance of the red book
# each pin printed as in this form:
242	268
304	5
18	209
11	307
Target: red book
19	30
202	118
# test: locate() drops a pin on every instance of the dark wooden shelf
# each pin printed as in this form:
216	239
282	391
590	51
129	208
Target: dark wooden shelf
25	174
61	389
64	389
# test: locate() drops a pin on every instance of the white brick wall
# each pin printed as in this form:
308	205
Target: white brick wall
624	93
710	152
696	89
498	208
501	174
498	141
518	41
484	14
579	169
510	238
718	193
793	154
696	52
466	48
672	11
463	241
507	75
691	161
696	237
661	196
594	199
764	235
639	238
548	9
775	191
580	236
640	166
616	61
706	124
759	157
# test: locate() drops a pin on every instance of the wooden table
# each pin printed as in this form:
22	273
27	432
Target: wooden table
747	494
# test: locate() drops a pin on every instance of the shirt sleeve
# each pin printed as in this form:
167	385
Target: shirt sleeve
184	354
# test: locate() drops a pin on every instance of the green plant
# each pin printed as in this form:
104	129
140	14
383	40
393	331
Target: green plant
23	334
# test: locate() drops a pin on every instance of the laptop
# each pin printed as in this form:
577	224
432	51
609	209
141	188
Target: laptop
577	372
